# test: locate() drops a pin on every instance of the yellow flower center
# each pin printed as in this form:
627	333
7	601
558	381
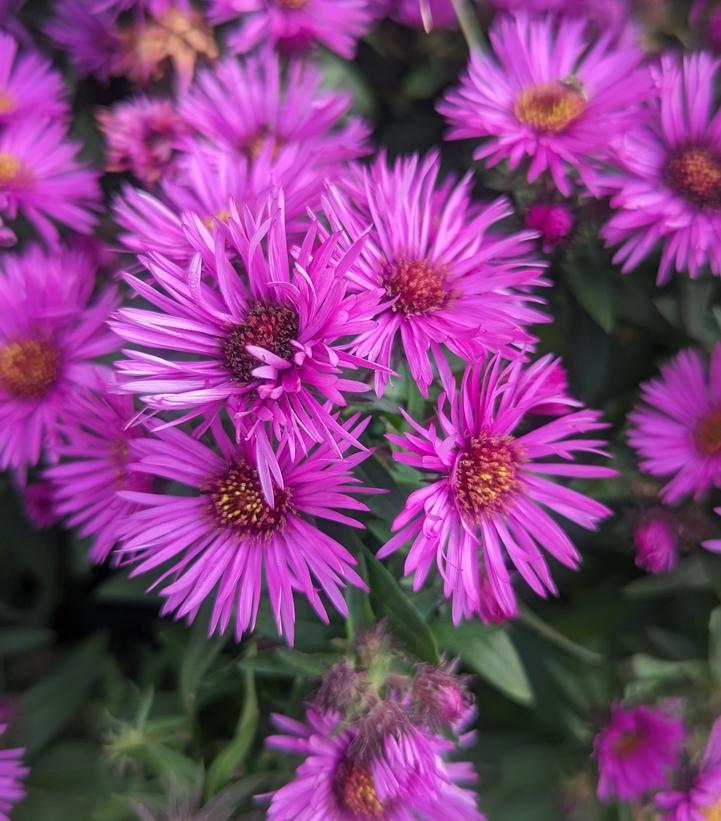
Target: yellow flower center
28	369
354	788
486	475
8	104
550	108
712	812
695	174
707	434
12	170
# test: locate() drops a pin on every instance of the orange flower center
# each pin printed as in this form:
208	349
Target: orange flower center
293	5
356	793
29	369
237	502
486	475
695	174
712	812
12	170
627	743
419	285
549	108
707	435
8	104
272	327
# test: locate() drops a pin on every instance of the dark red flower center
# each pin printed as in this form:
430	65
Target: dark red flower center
627	743
419	285
694	172
29	369
486	475
355	791
550	108
237	501
708	434
272	327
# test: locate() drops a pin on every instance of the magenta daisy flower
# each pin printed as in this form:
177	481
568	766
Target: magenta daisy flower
95	440
656	538
637	751
491	498
12	773
406	777
29	86
219	539
667	189
50	333
258	105
676	429
295	25
450	279
549	95
700	799
142	136
42	179
266	343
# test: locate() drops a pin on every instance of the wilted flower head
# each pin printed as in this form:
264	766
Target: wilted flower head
637	751
493	454
676	429
666	182
295	25
451	279
12	773
51	331
549	96
553	221
656	540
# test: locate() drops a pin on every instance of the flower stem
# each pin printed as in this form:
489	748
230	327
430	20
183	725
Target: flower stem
468	23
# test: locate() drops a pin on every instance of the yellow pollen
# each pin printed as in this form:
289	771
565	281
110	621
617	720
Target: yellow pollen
419	285
550	108
486	475
354	788
222	216
28	369
8	104
707	434
695	174
12	170
712	812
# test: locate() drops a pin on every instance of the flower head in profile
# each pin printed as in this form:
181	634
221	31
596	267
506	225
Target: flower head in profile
451	279
94	447
12	774
676	429
494	461
656	537
699	799
142	136
550	96
295	25
637	751
221	538
51	331
258	331
42	179
29	85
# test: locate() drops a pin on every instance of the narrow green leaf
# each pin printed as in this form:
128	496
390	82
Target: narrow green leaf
714	649
553	636
200	652
21	639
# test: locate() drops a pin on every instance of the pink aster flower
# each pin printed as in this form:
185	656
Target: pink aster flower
295	25
42	179
29	86
405	777
39	504
700	798
50	333
95	439
604	15
637	751
491	498
12	773
667	188
550	95
266	342
705	17
656	538
451	279
220	539
553	221
676	429
258	106
428	13
142	136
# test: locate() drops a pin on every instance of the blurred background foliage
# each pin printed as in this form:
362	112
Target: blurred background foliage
118	708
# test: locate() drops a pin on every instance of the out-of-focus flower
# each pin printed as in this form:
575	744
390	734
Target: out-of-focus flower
550	96
700	798
50	333
295	25
432	14
12	773
553	221
676	429
605	16
39	504
222	537
656	539
705	17
492	498
666	189
637	751
142	136
42	179
450	280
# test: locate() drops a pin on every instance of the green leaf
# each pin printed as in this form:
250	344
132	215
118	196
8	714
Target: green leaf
714	650
689	575
592	285
390	602
21	639
491	653
553	636
200	652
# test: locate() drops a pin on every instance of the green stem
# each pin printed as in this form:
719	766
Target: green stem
468	23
